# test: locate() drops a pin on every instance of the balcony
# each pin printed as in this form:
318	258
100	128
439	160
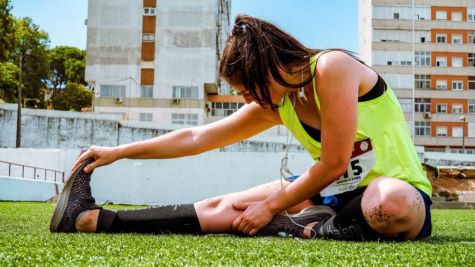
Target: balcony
392	24
443	141
429	93
452	71
427	46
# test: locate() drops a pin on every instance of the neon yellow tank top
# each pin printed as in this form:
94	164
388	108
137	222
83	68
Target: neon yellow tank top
380	120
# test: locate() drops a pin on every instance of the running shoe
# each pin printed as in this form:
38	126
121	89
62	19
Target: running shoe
293	225
75	198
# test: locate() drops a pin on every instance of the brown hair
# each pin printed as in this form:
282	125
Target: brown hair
256	48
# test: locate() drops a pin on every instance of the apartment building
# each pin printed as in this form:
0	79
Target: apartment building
157	61
426	51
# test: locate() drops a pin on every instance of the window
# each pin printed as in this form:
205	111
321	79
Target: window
471	129
457	108
441	61
441	38
395	15
457	85
471	37
422	81
471	106
185	92
422	105
149	11
441	84
457	131
146	116
471	82
441	131
146	91
471	14
422	128
406	104
422	58
185	119
456	16
457	62
148	37
441	108
441	15
112	90
456	38
223	109
471	59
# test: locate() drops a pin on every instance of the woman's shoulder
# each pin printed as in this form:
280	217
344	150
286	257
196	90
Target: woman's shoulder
331	60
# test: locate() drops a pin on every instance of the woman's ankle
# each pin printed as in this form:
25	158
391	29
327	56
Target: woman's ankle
87	221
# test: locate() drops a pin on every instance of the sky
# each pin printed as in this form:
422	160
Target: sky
316	23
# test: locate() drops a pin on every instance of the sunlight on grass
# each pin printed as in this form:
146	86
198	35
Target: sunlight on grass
25	240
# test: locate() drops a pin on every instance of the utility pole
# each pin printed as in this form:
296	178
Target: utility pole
18	116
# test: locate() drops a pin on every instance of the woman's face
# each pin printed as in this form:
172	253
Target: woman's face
277	92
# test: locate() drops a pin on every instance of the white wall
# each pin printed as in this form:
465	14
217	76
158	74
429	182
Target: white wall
14	189
183	180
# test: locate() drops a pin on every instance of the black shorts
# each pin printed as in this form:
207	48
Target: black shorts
338	202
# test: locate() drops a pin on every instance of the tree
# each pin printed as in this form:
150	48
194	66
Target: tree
8	81
75	97
31	49
7	30
67	64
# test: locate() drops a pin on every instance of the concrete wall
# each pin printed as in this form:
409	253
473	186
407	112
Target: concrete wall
61	129
15	189
182	180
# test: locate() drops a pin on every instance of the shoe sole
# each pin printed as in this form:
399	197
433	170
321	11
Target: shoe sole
318	209
313	210
63	199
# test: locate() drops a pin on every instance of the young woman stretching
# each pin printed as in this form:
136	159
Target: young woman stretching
366	183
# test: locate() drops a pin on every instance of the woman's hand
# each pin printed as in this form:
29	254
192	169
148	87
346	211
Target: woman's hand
101	155
255	216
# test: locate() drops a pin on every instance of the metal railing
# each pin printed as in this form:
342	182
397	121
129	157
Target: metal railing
38	173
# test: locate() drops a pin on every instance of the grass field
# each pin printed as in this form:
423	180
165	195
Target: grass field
25	241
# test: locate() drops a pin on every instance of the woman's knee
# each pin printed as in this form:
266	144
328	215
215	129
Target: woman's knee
390	205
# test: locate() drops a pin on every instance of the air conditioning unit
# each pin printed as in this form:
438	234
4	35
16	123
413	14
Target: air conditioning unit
176	101
427	115
119	100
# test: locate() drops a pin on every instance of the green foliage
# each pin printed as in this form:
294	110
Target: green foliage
74	98
32	44
7	30
8	81
67	64
25	240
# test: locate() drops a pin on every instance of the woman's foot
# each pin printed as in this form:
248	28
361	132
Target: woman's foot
300	224
75	198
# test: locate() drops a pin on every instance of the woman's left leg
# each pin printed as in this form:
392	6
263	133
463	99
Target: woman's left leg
389	208
394	208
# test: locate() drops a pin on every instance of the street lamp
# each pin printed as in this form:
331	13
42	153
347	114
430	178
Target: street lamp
463	119
18	112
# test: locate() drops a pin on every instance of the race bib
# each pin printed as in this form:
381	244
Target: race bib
362	160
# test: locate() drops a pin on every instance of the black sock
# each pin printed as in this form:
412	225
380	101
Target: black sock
179	219
349	224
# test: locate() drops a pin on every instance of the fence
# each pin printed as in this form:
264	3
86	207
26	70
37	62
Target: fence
30	172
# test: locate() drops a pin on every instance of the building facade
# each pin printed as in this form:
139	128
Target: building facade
157	61
425	49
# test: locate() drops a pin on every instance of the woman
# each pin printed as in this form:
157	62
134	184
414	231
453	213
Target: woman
341	111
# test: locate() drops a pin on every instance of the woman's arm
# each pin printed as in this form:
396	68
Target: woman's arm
337	88
246	122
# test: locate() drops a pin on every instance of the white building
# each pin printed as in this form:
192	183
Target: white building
156	61
425	49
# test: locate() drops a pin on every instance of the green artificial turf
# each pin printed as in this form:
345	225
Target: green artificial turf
25	240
